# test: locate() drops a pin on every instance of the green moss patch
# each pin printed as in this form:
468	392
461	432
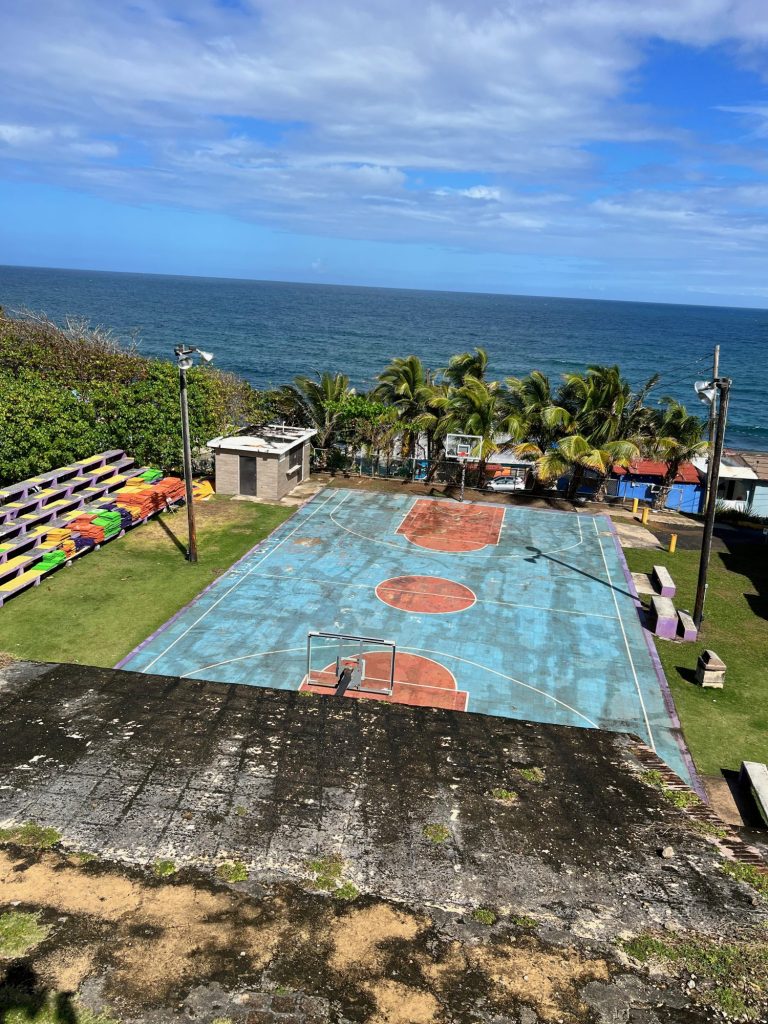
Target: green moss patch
232	871
19	1007
328	876
348	891
164	868
749	874
484	916
506	796
35	836
436	833
736	972
20	932
524	921
531	774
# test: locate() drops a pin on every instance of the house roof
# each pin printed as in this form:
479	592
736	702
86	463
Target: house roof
687	473
733	466
757	462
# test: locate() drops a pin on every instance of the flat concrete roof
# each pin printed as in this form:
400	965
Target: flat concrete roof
484	849
273	439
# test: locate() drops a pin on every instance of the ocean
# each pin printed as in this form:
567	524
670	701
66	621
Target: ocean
268	332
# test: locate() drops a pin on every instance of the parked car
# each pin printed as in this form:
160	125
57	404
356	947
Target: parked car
506	483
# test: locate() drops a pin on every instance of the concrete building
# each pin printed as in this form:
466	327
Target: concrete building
262	462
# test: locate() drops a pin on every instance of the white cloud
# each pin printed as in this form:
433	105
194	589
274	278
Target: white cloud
470	124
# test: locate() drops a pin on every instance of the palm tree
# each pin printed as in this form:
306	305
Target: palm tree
679	438
466	364
473	408
594	422
318	403
533	415
404	385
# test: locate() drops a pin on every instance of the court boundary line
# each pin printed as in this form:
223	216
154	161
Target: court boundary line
626	641
237	583
661	678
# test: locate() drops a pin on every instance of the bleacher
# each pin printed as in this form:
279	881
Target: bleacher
51	519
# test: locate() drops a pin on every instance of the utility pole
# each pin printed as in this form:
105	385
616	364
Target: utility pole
721	386
184	361
712	424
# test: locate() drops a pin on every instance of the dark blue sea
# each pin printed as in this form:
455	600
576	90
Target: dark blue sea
268	332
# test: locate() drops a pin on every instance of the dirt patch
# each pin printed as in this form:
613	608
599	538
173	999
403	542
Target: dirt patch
66	970
358	938
308	542
160	938
547	980
400	1004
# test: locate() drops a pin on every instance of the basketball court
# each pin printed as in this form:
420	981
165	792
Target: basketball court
475	607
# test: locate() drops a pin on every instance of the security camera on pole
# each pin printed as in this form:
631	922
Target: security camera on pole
708	392
185	358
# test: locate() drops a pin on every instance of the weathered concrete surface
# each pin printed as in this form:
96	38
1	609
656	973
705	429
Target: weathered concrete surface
134	769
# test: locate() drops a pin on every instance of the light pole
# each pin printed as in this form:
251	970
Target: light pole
707	392
185	360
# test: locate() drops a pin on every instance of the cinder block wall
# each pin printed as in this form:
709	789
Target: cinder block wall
227	472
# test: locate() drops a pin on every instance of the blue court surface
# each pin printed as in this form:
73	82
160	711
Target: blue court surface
530	614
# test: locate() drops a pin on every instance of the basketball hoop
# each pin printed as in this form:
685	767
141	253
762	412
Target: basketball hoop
462	447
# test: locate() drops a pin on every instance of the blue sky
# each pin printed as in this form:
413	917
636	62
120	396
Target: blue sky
599	148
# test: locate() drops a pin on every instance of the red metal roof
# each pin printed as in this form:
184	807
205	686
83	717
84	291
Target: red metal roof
687	474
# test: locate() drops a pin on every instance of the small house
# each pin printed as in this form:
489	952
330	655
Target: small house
262	462
643	478
743	482
758	463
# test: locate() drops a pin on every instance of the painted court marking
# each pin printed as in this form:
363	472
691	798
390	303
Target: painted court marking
626	641
432	595
440	526
550	609
464	555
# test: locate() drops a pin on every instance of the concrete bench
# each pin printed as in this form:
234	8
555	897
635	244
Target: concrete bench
30	578
16	566
102	459
11	530
24	505
663	617
663	581
755	776
686	628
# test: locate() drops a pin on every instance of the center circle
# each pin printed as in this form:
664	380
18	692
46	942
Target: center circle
430	594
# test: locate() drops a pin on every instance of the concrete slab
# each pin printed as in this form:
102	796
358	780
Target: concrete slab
633	535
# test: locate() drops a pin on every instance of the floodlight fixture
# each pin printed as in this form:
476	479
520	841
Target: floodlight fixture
706	390
207	357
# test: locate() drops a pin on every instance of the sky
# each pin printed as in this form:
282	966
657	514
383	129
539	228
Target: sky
596	148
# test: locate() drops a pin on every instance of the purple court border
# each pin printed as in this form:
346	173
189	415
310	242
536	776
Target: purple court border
196	598
666	693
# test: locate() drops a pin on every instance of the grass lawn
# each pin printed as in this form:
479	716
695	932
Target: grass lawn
722	727
98	610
